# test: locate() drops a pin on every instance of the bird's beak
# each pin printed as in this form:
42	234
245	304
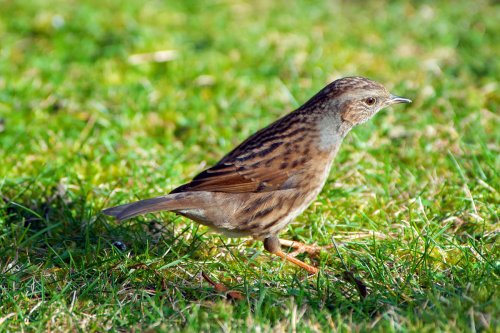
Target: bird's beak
396	100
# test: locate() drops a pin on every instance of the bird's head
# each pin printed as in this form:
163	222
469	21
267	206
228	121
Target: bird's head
357	99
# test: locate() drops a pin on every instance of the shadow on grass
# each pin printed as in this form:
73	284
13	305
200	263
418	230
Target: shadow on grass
58	242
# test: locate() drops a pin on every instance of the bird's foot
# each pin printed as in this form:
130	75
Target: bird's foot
312	250
273	245
221	288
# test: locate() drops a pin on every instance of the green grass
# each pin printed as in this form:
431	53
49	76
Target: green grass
412	201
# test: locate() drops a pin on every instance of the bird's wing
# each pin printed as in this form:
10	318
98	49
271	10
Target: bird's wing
269	160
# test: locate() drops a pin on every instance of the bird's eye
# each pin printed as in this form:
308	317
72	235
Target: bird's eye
370	101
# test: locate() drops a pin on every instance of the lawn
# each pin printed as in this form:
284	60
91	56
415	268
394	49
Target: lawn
90	118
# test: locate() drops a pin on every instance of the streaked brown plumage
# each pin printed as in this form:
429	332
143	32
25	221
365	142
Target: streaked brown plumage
271	178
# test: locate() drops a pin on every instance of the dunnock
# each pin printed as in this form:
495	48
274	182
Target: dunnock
271	178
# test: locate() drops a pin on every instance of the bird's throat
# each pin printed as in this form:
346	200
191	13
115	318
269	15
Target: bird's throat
332	131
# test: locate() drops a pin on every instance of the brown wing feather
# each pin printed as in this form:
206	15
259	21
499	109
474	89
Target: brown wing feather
263	162
216	180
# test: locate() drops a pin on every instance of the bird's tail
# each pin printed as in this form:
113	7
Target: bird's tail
168	202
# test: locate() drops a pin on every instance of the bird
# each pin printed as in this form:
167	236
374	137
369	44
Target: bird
269	179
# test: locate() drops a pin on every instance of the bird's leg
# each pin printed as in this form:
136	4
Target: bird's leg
272	244
299	247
